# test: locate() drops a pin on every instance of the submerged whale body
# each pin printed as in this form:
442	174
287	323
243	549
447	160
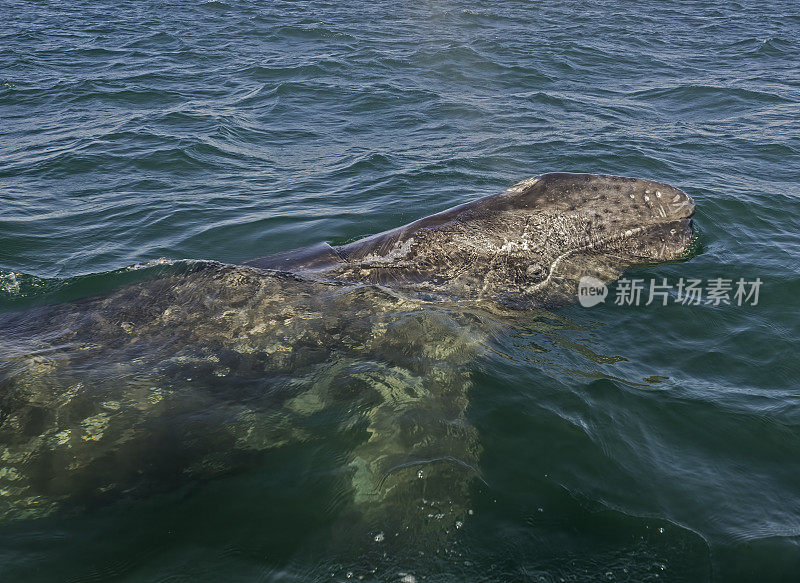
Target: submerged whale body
196	373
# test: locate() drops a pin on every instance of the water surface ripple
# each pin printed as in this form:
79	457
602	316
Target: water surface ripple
656	443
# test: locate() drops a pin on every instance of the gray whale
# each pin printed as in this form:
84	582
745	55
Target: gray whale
195	374
525	245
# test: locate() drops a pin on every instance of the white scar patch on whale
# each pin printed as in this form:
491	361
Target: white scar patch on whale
510	246
522	185
680	205
399	251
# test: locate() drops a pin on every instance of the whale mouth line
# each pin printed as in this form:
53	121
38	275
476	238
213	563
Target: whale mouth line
600	243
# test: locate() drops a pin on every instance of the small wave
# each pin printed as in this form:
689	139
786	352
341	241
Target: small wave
272	74
216	4
722	95
18	290
773	47
15	285
363	162
157	40
128	96
311	32
152	263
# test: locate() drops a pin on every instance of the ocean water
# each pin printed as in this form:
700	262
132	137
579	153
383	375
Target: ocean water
612	443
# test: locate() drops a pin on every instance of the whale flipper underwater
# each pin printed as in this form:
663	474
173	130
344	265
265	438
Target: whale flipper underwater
197	372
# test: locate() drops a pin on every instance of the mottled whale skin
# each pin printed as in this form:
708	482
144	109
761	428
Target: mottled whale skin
526	245
197	372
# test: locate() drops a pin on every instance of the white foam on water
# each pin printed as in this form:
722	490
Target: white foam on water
9	283
151	263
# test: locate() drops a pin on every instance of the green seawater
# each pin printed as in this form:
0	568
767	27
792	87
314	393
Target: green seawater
613	443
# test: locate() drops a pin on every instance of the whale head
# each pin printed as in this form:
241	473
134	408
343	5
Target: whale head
643	220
